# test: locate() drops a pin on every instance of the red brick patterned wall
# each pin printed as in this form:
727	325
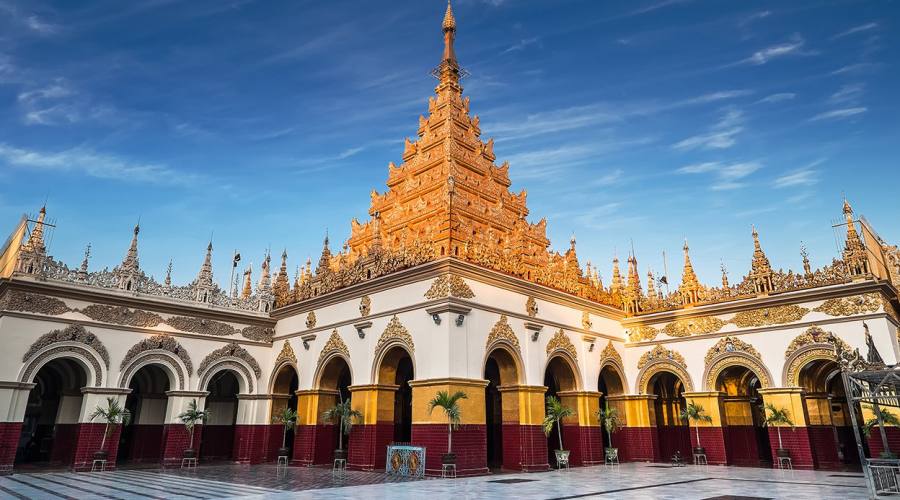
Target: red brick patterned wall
175	440
591	444
797	441
274	440
875	446
251	443
824	446
368	448
469	444
637	444
9	441
143	443
740	442
304	444
713	440
524	448
675	437
218	442
90	436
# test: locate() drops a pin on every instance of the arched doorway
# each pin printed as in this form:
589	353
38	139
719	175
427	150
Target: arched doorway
50	429
746	438
397	369
672	432
222	402
610	383
142	440
560	377
500	369
284	395
830	429
335	382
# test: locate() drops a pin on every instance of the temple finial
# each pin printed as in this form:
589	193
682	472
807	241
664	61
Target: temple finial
854	249
449	20
690	285
760	269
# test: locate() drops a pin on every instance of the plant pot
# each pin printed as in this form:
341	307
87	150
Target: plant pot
448	458
699	450
189	453
887	455
783	453
562	456
284	451
101	455
340	454
611	453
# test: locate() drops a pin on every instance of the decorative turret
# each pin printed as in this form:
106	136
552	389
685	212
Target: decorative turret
690	285
760	270
725	284
264	288
616	287
651	286
167	285
203	286
83	270
248	282
854	250
129	271
631	300
282	290
325	258
807	269
33	252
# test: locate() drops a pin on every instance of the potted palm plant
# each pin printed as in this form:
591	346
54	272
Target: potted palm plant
449	403
886	418
778	417
112	414
342	415
610	420
553	416
288	419
190	418
694	413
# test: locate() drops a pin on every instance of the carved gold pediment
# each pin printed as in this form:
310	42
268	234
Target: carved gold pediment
560	341
693	326
395	331
660	353
642	332
286	354
334	344
848	306
502	331
449	285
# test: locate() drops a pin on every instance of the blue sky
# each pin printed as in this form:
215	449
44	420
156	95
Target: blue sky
265	123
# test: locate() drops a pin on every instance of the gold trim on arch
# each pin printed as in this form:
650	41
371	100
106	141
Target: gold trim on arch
648	371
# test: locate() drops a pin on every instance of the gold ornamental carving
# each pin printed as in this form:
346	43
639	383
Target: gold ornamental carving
335	344
610	353
693	326
531	307
395	331
311	320
501	331
814	335
560	342
728	345
889	310
848	306
365	306
586	320
777	315
201	325
641	333
286	355
660	353
732	351
449	285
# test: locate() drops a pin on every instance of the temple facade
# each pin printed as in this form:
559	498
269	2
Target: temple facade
446	286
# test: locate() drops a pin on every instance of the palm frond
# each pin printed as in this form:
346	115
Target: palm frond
694	412
449	403
554	412
777	416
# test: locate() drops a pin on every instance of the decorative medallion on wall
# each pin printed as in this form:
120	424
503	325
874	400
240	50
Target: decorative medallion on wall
610	353
848	306
121	315
586	320
161	342
286	355
365	306
311	320
258	333
731	351
231	350
449	285
814	335
660	353
201	325
502	331
642	332
777	315
335	344
71	333
729	345
560	341
33	302
531	307
693	326
395	331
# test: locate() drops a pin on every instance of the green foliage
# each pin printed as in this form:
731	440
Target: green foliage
777	416
886	417
694	413
112	414
609	419
342	414
287	418
450	404
554	412
192	416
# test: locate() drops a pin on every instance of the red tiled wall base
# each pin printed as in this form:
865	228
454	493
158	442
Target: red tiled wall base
637	444
469	444
875	446
713	441
797	441
524	448
90	435
368	448
143	444
218	442
674	438
274	441
825	449
175	440
315	444
65	438
740	442
251	443
9	441
591	445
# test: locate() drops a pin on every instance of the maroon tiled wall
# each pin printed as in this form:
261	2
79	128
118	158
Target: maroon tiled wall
675	437
825	448
143	444
524	448
741	444
274	440
315	444
637	444
875	446
175	440
218	442
798	442
368	445
469	444
591	444
65	438
9	441
304	444
251	443
88	440
713	441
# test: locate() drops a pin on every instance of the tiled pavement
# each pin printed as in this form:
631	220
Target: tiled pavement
628	481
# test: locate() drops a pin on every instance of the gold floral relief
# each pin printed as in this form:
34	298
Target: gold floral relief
311	320
335	344
731	344
395	331
502	331
610	353
693	326
449	285
848	306
777	315
586	322
814	335
286	354
365	306
560	341
531	307
641	333
660	353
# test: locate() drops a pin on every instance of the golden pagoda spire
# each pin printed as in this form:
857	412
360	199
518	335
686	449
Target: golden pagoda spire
616	285
651	285
449	27
129	269
33	252
760	269
248	282
633	293
281	289
36	239
690	286
203	285
807	269
854	249
724	275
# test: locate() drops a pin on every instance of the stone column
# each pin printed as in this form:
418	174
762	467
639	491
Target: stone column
175	436
524	442
637	441
253	430
712	435
14	398
796	440
315	439
740	432
430	429
91	432
581	431
371	436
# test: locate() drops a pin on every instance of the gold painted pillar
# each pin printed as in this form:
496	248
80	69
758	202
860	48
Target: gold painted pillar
315	440
581	431
638	440
375	431
711	434
524	442
795	440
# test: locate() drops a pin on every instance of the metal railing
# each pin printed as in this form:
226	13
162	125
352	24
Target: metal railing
885	477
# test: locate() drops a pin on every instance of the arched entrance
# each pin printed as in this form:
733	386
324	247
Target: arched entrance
222	403
284	395
830	429
672	432
335	382
559	376
500	370
50	429
610	383
746	438
142	440
396	368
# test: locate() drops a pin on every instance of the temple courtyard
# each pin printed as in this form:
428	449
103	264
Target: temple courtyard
632	481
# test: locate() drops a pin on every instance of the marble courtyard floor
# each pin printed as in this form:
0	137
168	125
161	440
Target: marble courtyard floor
628	481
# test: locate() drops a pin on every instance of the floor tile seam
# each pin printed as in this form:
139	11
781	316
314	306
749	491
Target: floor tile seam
207	482
144	485
214	490
85	479
40	487
13	493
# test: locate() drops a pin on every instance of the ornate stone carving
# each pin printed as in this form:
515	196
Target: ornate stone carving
848	306
889	310
560	342
531	307
502	331
777	315
586	320
231	350
65	349
32	302
162	342
365	306
395	331
814	335
201	325
814	343
610	353
159	358
335	344
311	320
286	355
71	333
260	333
732	351
449	285
693	326
642	332
660	353
729	345
121	315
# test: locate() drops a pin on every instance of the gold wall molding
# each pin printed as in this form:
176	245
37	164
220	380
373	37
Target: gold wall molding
693	326
732	351
311	320
848	306
586	320
815	343
728	345
777	315
334	345
657	360
286	355
660	353
531	307
395	332
365	306
449	285
642	332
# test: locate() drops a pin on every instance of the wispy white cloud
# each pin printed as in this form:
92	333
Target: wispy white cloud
699	168
838	114
856	29
522	44
721	136
802	177
783	96
656	6
39	26
56	90
856	68
763	56
716	96
849	93
725	176
756	16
